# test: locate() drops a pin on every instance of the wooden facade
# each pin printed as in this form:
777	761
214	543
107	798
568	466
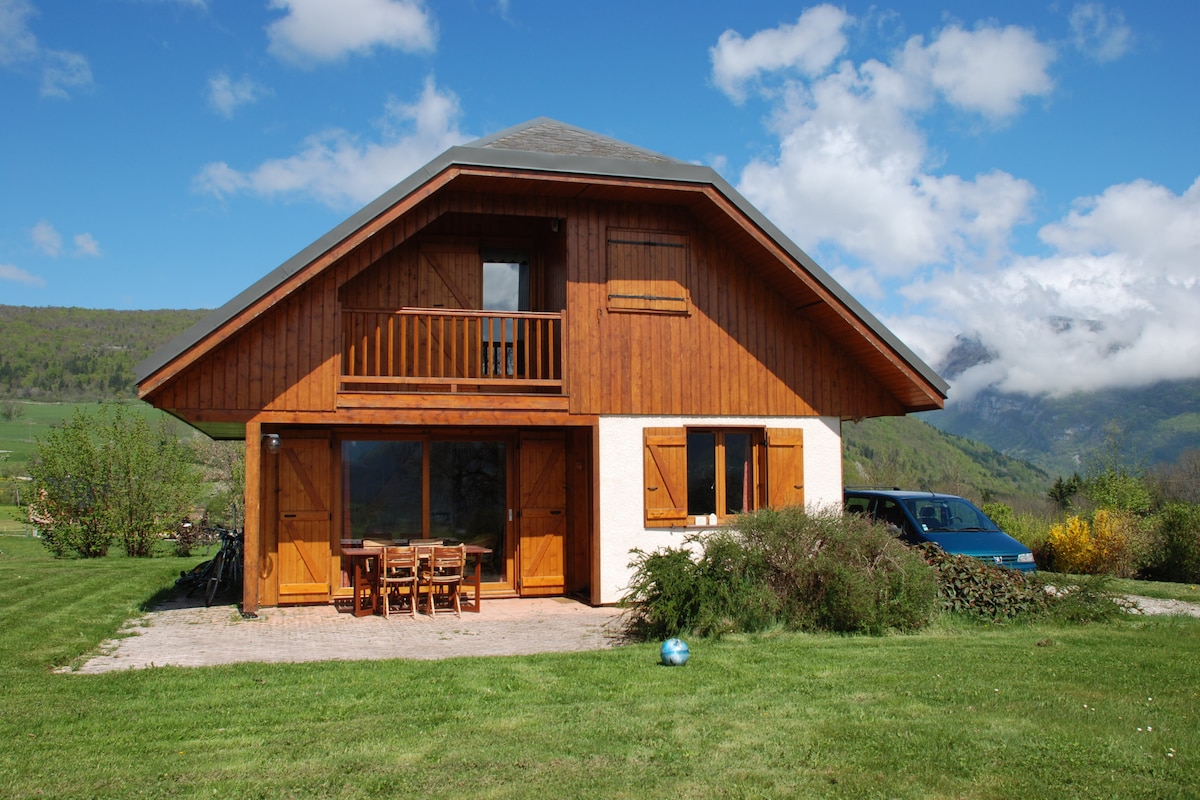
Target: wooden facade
641	296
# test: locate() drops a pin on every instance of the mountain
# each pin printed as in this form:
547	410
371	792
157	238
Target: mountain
77	354
1152	424
1155	424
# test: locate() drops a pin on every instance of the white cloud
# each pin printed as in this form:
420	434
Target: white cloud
1114	304
854	171
17	42
86	245
61	71
337	169
226	95
809	46
46	239
10	273
989	70
1100	34
314	31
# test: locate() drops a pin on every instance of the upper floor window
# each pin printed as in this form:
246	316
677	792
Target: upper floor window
505	281
647	271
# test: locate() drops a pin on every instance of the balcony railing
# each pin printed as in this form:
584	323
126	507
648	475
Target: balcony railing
446	350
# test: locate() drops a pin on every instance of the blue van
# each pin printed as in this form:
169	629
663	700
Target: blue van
950	522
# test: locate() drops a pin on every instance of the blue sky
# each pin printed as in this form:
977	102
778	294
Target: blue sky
1024	174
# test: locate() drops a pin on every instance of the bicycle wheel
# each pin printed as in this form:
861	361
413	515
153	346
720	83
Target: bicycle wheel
195	578
214	582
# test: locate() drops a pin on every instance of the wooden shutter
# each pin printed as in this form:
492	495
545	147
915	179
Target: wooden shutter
785	467
665	477
647	271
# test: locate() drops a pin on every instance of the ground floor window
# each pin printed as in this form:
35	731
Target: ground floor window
692	475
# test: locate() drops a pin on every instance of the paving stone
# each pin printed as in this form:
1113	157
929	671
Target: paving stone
182	633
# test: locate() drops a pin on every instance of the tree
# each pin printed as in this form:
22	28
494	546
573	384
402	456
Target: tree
68	485
109	476
1111	482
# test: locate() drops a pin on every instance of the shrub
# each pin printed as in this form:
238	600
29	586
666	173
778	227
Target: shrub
1028	526
108	476
841	573
1176	555
721	591
1087	599
817	571
1113	544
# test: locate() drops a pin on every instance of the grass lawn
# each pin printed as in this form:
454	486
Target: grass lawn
962	711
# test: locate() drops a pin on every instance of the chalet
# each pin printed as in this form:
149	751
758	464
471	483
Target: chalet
546	342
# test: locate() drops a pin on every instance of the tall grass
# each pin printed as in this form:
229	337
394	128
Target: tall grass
1095	711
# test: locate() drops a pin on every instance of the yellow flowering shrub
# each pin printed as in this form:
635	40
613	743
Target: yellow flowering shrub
1109	545
1072	546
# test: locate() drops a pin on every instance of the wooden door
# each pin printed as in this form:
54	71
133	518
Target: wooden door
452	278
542	514
304	521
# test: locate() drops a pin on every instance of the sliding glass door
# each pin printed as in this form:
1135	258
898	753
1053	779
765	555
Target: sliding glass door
430	488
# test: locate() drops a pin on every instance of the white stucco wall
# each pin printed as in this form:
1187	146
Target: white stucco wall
620	458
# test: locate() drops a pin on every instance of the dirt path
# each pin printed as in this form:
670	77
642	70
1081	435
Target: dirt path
1152	605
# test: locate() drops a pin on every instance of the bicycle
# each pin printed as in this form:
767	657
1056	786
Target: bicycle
223	568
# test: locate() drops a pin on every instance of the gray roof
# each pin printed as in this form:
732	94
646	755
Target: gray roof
544	145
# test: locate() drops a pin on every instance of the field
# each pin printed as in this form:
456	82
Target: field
18	437
961	711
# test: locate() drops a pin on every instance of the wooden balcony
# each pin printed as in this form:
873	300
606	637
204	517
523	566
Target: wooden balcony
446	350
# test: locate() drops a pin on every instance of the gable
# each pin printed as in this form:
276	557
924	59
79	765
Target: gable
864	360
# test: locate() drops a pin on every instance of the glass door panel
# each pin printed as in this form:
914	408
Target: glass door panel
467	497
384	483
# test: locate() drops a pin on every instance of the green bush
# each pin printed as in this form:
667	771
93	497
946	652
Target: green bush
818	571
722	590
1176	555
109	476
1085	599
840	573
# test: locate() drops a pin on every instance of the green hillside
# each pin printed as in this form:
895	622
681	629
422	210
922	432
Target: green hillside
79	354
908	453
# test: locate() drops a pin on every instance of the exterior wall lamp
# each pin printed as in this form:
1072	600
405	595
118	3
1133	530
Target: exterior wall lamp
272	442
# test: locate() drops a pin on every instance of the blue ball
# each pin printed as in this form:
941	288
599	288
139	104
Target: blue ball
675	652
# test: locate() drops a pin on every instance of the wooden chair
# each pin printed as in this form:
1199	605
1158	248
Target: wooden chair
398	573
442	575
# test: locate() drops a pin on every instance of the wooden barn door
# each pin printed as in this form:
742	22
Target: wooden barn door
452	278
542	514
304	521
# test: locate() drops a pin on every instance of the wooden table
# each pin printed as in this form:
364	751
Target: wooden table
364	577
